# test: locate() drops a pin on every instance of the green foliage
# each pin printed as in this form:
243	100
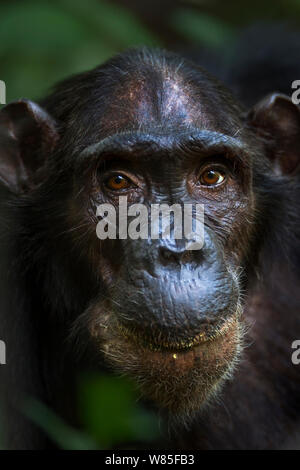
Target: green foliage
201	28
110	416
57	430
42	41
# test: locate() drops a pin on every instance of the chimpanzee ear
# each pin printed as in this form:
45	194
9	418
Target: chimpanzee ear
27	135
277	119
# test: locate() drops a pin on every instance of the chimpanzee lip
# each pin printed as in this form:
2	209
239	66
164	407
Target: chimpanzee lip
159	343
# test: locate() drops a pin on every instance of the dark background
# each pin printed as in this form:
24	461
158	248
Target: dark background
44	41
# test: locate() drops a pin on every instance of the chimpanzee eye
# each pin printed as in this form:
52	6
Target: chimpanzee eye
117	182
212	177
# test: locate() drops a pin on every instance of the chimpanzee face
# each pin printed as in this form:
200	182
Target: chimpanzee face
167	315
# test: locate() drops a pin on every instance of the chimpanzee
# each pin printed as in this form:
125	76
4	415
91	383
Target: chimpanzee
207	334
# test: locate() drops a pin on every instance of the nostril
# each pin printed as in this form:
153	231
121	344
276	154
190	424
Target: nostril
168	255
165	253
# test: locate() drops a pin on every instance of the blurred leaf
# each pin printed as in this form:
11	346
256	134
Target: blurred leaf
112	22
110	413
63	435
200	27
37	27
42	42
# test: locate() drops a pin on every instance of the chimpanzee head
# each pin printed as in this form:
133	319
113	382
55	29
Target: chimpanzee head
151	128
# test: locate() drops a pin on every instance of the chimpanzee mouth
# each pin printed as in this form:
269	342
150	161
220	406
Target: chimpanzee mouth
179	374
157	341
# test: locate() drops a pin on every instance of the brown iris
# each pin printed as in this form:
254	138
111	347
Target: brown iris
212	177
117	183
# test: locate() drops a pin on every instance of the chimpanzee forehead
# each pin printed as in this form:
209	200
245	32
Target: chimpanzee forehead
163	100
139	102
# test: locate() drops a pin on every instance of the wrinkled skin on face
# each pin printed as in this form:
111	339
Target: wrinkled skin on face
162	132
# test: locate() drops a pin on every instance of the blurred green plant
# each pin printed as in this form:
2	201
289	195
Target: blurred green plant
57	430
111	414
42	41
201	28
108	411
